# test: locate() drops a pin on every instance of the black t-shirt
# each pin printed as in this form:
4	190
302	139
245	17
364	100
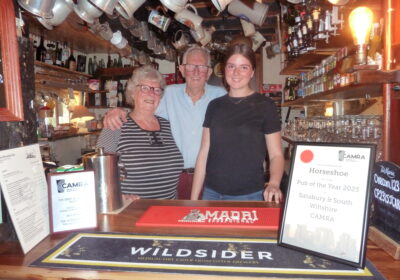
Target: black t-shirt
237	142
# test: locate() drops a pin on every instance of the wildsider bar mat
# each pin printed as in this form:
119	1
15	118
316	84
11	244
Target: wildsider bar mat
194	254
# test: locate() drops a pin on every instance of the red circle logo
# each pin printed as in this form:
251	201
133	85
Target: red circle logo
306	156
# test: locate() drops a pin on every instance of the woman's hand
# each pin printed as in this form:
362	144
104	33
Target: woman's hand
130	197
115	118
272	193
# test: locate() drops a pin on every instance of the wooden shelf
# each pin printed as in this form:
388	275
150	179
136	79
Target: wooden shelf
75	32
308	61
60	85
98	91
368	83
114	72
342	93
61	69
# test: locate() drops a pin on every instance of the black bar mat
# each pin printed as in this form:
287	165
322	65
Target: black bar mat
260	257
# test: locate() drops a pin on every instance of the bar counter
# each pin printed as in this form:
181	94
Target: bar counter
15	265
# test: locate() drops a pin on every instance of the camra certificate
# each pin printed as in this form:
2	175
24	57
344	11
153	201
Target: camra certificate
24	187
72	201
326	209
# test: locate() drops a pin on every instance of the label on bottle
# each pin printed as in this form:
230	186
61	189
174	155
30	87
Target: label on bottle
72	65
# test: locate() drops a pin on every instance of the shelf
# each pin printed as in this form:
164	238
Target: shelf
342	93
308	61
61	85
52	76
75	32
367	84
98	91
113	72
60	69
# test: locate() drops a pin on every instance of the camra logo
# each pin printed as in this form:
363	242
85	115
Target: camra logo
60	184
233	217
63	186
343	156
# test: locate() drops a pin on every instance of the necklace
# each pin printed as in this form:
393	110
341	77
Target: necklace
238	100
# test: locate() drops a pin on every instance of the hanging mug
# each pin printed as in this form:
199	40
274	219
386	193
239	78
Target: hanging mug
118	40
126	8
207	36
257	39
221	4
61	10
189	18
158	18
248	28
105	31
181	40
106	6
174	5
144	31
197	34
256	14
87	11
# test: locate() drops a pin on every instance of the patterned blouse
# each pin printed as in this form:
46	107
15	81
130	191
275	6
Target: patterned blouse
151	160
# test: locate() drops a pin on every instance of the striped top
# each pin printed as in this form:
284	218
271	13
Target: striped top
151	159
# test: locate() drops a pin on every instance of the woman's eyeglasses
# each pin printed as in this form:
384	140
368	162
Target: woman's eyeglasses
191	67
148	89
244	68
155	138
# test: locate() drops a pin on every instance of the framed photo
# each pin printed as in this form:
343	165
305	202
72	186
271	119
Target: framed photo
72	198
11	105
327	204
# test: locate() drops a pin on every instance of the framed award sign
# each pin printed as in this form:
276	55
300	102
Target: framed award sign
327	204
72	201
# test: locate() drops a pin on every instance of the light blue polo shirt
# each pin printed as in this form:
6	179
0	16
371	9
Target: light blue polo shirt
186	118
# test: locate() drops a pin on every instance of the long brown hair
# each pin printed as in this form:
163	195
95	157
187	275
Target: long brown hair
242	49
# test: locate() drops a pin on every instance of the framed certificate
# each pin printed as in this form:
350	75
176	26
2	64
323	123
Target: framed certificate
327	204
72	201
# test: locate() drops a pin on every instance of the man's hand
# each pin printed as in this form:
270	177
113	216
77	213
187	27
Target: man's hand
273	193
115	118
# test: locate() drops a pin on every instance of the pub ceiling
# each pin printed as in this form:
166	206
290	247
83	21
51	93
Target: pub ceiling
76	31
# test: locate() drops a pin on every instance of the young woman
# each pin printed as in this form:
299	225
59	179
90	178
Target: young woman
238	130
147	150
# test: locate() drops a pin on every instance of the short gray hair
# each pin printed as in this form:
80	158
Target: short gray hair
140	74
194	49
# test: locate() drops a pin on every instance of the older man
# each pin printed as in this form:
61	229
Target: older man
184	105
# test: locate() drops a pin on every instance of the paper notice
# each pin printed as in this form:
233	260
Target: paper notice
24	187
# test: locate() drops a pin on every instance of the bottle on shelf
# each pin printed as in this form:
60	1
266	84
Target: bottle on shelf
41	50
102	64
65	55
58	55
95	64
120	95
71	62
292	89
286	90
109	61
119	64
49	58
90	67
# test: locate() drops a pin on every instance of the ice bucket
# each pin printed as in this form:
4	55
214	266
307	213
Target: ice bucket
107	179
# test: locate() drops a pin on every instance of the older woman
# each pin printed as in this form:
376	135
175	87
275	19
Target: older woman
148	153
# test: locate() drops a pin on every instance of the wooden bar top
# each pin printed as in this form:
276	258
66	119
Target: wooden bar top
15	265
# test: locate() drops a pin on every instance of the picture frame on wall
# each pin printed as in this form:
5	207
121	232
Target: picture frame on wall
327	205
11	105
